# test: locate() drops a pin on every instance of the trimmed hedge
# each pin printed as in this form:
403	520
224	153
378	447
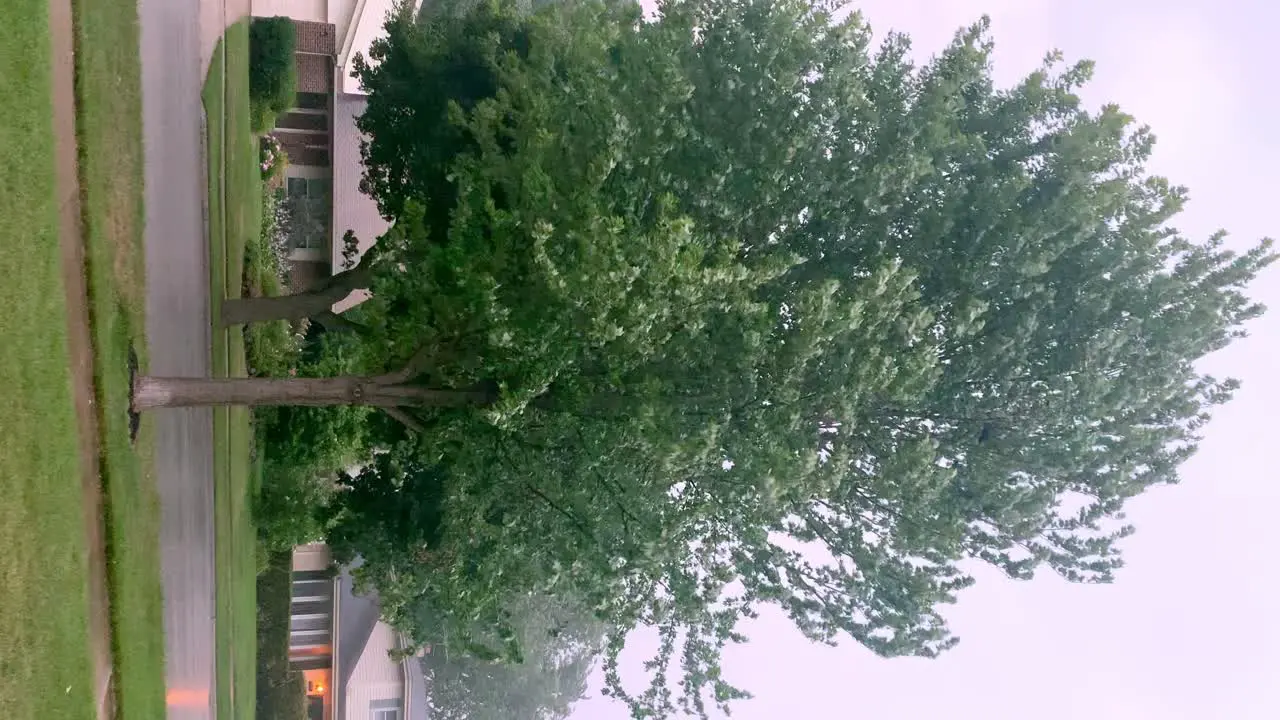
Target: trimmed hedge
281	691
273	77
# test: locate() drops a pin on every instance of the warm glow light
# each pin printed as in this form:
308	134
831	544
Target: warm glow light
187	697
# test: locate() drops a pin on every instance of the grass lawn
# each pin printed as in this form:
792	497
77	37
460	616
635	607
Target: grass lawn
235	210
44	660
109	123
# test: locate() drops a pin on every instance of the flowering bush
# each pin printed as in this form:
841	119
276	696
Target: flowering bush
273	348
276	224
272	159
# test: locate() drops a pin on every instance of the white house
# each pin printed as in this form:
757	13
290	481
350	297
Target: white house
319	134
344	650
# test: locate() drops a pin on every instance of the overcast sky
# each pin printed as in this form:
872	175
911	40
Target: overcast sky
1191	628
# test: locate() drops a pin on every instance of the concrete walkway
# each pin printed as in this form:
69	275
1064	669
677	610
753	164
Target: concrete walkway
178	38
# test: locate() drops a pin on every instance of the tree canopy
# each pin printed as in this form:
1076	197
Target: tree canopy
559	645
763	314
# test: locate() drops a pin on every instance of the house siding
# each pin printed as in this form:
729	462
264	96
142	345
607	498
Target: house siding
335	12
340	14
375	677
312	558
352	209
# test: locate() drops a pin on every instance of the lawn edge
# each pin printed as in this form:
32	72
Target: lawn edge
71	243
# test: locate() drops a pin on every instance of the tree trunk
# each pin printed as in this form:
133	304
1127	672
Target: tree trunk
378	391
242	311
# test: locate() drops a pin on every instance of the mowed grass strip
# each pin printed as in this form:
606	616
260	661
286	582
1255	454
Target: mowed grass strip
44	660
109	125
235	210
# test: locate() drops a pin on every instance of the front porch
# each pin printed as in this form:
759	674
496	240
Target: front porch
312	620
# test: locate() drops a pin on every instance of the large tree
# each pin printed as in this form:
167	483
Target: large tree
729	309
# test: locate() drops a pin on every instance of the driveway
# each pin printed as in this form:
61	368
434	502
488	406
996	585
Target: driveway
178	37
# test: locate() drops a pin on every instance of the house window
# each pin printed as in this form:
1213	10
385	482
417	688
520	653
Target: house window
310	207
384	710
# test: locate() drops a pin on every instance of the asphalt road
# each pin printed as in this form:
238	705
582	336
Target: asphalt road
173	54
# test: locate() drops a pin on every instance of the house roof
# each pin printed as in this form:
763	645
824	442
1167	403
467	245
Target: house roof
367	21
358	615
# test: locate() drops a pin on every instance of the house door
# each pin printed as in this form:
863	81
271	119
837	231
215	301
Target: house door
315	707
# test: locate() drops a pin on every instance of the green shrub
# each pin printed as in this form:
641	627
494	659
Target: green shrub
302	449
272	161
266	260
289	509
273	348
272	76
280	690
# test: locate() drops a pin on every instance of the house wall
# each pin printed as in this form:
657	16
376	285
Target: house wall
329	32
340	13
311	557
375	677
352	209
305	131
315	10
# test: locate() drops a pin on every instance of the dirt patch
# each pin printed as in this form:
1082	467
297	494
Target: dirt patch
80	347
135	417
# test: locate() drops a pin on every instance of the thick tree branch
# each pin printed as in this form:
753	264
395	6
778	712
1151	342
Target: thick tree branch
404	418
411	368
334	322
